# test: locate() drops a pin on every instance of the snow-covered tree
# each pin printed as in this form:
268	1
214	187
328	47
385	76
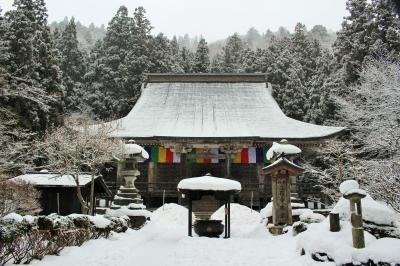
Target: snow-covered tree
76	146
201	62
373	112
72	64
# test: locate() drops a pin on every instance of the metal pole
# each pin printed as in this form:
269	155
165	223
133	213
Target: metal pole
190	216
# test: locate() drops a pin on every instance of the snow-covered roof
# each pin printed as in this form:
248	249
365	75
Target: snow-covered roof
208	182
212	110
53	179
282	148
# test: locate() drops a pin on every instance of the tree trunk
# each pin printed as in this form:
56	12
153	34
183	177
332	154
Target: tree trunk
84	207
92	191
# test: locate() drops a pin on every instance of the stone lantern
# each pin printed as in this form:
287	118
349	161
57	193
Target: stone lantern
354	194
281	172
127	169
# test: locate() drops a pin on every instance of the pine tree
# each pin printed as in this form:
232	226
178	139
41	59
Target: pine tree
202	58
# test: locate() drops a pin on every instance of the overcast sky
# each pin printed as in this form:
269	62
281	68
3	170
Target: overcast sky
214	19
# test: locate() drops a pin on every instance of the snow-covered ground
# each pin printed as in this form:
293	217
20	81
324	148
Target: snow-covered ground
164	242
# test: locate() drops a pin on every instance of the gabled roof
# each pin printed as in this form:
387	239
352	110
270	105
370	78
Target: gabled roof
212	106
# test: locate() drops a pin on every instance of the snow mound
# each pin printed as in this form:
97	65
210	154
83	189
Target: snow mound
311	217
278	149
338	245
13	217
382	250
348	185
169	222
266	212
355	191
245	222
208	182
372	211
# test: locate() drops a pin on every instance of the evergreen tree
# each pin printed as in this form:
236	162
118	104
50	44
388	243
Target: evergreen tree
187	59
163	58
32	65
354	39
232	55
72	64
202	58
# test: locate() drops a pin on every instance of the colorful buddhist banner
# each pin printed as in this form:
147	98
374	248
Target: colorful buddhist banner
248	155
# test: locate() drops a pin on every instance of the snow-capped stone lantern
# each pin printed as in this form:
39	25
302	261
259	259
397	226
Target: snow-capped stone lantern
133	154
281	171
351	191
127	169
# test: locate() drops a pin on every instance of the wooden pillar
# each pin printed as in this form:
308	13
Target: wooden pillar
190	215
228	165
152	175
183	166
226	220
229	218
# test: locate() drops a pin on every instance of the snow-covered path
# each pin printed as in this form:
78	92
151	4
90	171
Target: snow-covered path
142	248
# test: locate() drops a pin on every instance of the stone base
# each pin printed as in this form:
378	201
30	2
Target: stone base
276	230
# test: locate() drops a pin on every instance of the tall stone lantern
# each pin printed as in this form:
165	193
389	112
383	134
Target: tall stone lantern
281	172
128	194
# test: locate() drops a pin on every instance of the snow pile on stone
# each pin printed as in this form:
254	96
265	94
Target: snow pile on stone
348	185
209	183
244	221
133	149
279	149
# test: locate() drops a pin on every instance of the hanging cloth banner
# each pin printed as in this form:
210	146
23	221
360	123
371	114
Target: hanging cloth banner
159	154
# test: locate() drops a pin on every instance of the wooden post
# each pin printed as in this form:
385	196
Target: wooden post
229	219
228	165
190	215
151	175
334	222
183	166
226	220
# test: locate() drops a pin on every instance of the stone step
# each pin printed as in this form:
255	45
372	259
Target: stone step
129	195
128	190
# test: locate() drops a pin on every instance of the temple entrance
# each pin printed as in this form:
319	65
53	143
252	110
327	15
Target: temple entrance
216	169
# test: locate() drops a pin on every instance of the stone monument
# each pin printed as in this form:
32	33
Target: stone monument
281	172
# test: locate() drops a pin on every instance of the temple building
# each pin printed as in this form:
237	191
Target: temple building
222	124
